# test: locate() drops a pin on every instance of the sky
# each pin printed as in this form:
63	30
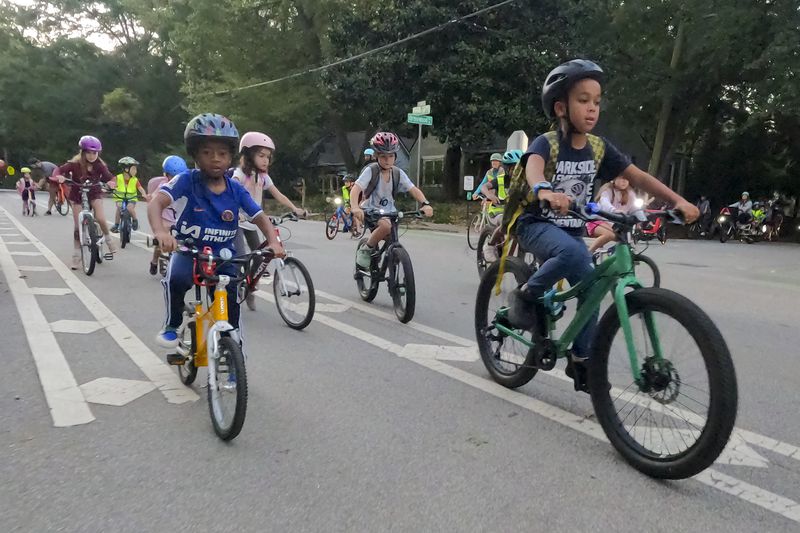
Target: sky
99	40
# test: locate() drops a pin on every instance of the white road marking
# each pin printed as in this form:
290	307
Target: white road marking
115	391
3	234
31	254
50	291
710	477
81	327
318	307
67	405
442	353
9	243
154	367
35	268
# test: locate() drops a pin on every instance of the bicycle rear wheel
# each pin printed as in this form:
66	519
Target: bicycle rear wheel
647	271
227	400
481	260
294	293
509	362
367	285
124	231
88	244
401	284
187	347
676	420
332	227
63	208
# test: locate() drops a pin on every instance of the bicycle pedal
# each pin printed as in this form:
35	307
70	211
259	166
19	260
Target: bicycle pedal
176	359
108	256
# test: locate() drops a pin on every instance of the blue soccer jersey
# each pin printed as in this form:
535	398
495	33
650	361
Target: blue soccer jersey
208	218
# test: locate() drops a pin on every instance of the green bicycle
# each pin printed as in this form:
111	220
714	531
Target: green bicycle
661	378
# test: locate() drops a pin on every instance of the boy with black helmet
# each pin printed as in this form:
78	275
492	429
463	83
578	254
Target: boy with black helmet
560	168
208	203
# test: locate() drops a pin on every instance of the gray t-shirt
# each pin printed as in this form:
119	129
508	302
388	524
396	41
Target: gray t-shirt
47	168
381	197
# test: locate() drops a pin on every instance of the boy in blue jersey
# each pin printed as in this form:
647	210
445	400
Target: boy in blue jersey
208	203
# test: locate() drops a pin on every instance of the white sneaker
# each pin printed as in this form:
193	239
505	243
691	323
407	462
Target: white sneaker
490	253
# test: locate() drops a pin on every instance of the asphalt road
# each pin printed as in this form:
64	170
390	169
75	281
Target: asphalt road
348	427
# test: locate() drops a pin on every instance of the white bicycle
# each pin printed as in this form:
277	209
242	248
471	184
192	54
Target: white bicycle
90	237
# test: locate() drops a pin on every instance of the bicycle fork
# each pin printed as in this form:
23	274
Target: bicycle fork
625	323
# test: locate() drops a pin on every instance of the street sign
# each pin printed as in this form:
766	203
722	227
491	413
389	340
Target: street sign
421	103
425	120
469	183
422	110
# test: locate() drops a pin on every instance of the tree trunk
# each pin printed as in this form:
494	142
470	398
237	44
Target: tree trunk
452	172
666	105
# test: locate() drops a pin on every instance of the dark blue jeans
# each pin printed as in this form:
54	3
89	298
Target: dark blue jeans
560	255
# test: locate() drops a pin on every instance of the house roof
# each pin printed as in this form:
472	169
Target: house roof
325	152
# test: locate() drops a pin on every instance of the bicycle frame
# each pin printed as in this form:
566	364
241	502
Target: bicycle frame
614	275
210	322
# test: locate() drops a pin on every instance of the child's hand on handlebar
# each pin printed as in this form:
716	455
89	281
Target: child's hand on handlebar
166	242
278	250
689	211
358	213
559	202
427	211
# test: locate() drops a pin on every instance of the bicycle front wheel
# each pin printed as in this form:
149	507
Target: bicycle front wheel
366	282
63	208
187	347
401	284
675	420
332	227
88	244
294	293
647	271
227	399
474	231
124	232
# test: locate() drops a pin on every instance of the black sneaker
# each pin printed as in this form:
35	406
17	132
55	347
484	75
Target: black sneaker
153	269
576	369
48	212
521	309
135	224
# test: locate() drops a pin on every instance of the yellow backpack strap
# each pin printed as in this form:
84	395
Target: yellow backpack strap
598	150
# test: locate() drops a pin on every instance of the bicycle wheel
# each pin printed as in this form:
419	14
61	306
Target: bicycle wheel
474	230
359	233
367	285
124	232
725	232
294	293
508	361
187	347
227	399
693	232
63	208
98	246
481	260
332	227
88	244
401	284
647	271
676	421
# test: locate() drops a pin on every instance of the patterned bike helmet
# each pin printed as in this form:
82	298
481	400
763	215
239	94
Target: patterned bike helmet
255	138
563	77
128	162
90	144
512	157
174	165
210	126
385	142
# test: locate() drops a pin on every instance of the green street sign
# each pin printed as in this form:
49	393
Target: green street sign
425	120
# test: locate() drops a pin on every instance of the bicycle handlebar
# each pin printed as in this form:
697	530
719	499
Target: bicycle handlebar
187	247
394	215
592	211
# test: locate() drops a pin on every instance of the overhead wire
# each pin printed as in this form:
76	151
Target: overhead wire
321	68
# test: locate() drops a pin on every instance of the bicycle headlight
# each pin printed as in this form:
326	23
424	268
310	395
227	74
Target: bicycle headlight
638	203
764	228
722	218
337	201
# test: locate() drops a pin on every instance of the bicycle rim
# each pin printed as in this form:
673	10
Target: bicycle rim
294	293
87	247
227	400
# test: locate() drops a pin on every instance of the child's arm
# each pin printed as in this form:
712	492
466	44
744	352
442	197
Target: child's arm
160	202
642	180
282	199
419	196
534	173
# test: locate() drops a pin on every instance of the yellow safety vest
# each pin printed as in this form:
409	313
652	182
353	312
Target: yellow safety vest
500	182
129	190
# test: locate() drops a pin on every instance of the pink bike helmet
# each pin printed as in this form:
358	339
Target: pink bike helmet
255	138
90	144
385	142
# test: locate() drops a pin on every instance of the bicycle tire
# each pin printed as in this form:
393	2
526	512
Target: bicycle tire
482	264
724	233
63	208
474	230
283	308
641	258
404	310
693	232
367	293
188	371
230	355
88	246
124	232
522	371
717	368
332	227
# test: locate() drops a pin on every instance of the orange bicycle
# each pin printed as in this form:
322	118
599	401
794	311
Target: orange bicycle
62	204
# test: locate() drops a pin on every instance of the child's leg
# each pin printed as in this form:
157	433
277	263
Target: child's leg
603	235
117	214
177	281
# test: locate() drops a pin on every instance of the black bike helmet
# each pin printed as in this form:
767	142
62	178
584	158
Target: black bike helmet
558	83
210	126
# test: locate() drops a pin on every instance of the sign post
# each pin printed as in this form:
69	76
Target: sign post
420	115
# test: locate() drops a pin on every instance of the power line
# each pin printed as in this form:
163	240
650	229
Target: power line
356	57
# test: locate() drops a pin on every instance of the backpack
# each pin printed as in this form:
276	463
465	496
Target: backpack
519	194
376	175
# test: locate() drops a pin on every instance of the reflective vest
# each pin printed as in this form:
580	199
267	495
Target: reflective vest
499	181
131	188
345	196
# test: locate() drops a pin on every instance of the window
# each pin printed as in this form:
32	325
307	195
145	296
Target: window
432	172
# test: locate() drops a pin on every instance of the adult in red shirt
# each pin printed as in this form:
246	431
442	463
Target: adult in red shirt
87	165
